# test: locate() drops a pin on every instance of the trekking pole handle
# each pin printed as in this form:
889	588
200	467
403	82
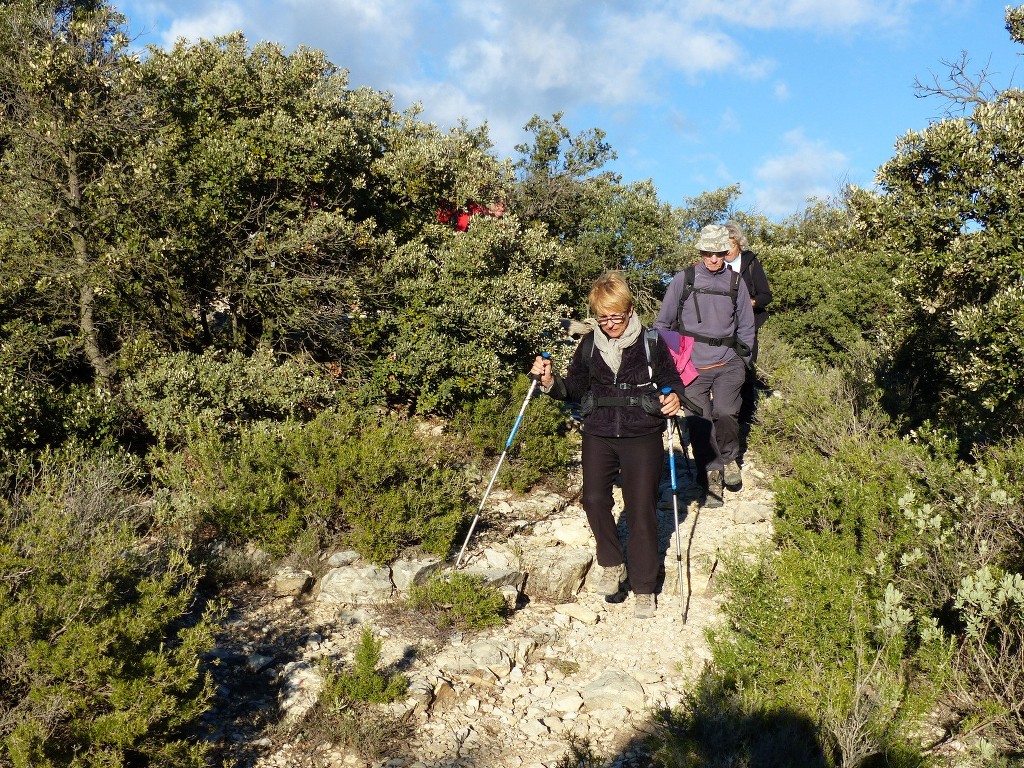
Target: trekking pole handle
666	391
546	356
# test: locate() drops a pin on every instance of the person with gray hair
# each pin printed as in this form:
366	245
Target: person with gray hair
711	304
743	260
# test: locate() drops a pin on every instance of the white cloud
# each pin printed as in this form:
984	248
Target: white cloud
218	19
804	169
834	15
781	91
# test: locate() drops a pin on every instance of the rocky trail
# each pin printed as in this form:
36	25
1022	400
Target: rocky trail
567	665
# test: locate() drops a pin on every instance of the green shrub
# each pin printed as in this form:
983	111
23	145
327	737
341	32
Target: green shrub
541	449
958	574
815	627
97	666
370	480
364	682
460	600
814	410
456	314
849	499
825	308
379	483
22	416
719	726
344	712
240	486
222	392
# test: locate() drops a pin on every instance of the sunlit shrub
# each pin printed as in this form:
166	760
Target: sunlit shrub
542	446
97	666
371	481
459	599
222	392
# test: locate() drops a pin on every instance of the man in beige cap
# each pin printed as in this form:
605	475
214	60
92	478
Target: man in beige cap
710	303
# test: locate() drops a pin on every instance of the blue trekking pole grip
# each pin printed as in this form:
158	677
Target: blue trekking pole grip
535	380
672	457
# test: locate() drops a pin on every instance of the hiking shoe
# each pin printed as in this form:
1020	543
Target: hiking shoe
609	582
733	477
713	496
643	606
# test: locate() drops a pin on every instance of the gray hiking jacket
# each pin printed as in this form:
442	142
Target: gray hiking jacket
718	318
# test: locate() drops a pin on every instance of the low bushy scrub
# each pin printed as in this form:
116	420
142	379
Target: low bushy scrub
811	630
34	414
892	582
459	600
184	393
371	481
959	580
824	307
97	666
720	726
541	449
345	712
364	682
812	410
22	410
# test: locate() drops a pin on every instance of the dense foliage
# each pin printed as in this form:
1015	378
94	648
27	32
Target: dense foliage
97	666
230	315
947	212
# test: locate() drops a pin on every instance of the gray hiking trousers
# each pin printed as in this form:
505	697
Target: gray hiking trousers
715	437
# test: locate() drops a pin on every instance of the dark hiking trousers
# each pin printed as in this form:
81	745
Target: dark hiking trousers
716	440
639	461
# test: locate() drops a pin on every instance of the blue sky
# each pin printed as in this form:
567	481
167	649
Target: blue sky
787	98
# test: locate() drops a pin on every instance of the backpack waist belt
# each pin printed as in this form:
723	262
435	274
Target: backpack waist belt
736	344
634	401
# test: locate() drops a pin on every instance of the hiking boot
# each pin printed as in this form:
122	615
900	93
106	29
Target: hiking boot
609	582
733	477
643	606
713	496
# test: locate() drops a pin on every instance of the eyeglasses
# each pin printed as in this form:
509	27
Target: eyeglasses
713	254
616	319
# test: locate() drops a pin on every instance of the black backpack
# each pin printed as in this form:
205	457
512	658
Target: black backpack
649	399
689	273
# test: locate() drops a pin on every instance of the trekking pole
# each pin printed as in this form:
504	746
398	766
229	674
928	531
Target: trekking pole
501	459
675	508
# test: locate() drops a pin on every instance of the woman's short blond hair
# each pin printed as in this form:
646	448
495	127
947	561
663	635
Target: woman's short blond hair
610	294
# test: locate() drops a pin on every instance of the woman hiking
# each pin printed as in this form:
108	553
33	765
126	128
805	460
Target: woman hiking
616	374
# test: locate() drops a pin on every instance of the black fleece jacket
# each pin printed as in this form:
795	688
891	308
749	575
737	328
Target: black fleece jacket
633	379
757	286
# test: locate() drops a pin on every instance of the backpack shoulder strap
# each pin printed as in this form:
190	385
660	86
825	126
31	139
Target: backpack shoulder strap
651	337
650	344
688	277
587	343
